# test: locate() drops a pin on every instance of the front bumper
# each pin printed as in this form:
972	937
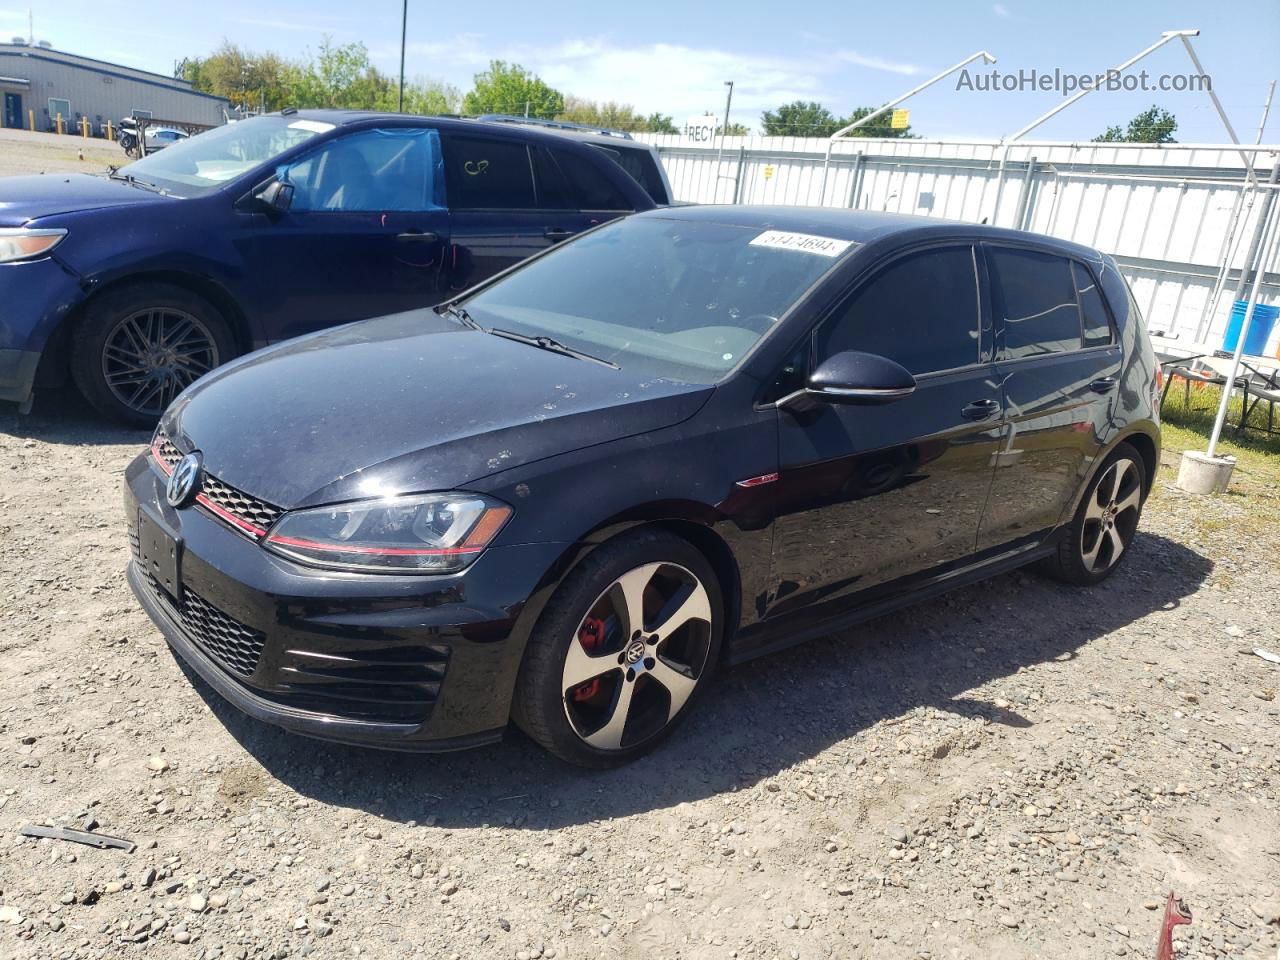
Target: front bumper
35	297
399	662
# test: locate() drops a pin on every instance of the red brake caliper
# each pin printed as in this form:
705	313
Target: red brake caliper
591	636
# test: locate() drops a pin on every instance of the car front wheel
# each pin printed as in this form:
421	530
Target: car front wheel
626	645
136	348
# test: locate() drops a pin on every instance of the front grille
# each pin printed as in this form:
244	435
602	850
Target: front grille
249	509
237	503
228	642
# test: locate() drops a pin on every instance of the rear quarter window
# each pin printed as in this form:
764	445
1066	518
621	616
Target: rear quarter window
641	167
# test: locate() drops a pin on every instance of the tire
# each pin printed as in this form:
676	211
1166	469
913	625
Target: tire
655	674
1100	534
138	346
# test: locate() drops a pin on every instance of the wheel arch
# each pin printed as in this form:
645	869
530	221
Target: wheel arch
54	364
1145	438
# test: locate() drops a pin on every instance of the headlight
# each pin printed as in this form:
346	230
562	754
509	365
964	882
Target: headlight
427	533
20	244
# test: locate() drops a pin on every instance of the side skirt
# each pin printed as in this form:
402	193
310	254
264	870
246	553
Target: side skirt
929	587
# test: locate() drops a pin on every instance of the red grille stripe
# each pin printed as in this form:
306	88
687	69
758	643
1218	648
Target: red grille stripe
250	528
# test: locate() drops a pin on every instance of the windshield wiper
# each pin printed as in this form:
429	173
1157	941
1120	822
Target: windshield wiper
553	345
461	313
133	181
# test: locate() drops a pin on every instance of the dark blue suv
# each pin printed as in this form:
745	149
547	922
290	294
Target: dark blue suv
134	285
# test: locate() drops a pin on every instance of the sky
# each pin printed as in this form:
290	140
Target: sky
674	57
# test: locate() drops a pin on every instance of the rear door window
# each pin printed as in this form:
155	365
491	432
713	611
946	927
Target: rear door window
920	310
1033	295
1095	324
594	190
489	174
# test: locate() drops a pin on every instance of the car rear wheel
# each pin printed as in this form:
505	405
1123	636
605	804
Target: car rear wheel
626	645
138	347
1105	522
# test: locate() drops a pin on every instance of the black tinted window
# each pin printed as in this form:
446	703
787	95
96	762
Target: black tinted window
594	190
554	190
1035	295
921	311
1093	313
489	174
642	168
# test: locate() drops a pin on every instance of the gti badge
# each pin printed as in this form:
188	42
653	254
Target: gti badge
184	482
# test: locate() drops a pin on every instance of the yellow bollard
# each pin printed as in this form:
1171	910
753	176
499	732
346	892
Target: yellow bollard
59	120
109	135
84	126
31	120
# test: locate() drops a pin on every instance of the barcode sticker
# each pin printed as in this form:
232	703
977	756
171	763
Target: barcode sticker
803	242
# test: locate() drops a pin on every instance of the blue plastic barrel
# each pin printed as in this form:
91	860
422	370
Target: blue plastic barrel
1255	343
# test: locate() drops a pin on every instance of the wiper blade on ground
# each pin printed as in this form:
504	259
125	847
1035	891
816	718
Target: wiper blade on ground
461	313
553	345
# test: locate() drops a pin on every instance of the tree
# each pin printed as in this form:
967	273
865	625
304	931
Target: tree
614	116
1150	126
879	127
735	130
510	88
429	98
247	79
660	123
806	118
800	118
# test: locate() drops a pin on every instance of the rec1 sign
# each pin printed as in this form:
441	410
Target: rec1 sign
699	131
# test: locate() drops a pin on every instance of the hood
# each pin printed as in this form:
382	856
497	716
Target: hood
29	198
407	403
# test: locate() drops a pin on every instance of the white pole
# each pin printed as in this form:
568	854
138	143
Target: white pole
986	57
1265	254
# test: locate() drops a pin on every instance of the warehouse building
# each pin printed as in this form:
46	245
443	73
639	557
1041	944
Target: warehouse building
39	83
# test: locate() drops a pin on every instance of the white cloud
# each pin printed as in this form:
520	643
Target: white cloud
879	63
667	77
1000	10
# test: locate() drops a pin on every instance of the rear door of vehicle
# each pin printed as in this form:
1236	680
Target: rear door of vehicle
509	199
366	233
1059	363
870	494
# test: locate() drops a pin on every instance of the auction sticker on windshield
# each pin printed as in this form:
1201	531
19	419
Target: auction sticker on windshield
804	242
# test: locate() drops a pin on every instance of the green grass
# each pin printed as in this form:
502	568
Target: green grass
1186	421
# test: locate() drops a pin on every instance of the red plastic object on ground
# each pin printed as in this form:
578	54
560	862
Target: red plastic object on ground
1176	913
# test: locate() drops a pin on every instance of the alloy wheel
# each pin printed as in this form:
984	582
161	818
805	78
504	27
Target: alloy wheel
1111	516
152	355
636	656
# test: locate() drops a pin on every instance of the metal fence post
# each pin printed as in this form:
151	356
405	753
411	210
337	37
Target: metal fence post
1024	196
737	177
855	179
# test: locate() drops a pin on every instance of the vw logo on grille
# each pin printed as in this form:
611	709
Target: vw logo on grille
184	482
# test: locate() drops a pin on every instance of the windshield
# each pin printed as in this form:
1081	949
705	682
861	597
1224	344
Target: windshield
204	162
676	298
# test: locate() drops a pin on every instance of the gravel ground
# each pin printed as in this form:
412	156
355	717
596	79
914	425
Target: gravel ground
1019	769
23	152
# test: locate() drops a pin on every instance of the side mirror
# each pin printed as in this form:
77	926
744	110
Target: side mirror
276	195
854	377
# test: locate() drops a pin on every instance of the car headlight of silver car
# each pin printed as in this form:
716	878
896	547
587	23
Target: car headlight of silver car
19	243
424	533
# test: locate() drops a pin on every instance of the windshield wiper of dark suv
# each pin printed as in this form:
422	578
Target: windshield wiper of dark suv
461	313
555	346
133	181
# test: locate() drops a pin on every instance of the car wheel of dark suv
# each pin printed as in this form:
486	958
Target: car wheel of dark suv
1105	522
626	644
137	347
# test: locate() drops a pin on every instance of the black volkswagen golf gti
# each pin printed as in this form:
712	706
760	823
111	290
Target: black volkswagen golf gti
683	439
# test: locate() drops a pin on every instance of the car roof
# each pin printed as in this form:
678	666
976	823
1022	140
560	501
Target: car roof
860	226
585	135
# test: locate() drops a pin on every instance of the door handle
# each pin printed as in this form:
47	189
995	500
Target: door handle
980	410
417	236
556	233
1103	385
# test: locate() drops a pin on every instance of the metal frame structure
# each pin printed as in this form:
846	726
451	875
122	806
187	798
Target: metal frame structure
843	131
